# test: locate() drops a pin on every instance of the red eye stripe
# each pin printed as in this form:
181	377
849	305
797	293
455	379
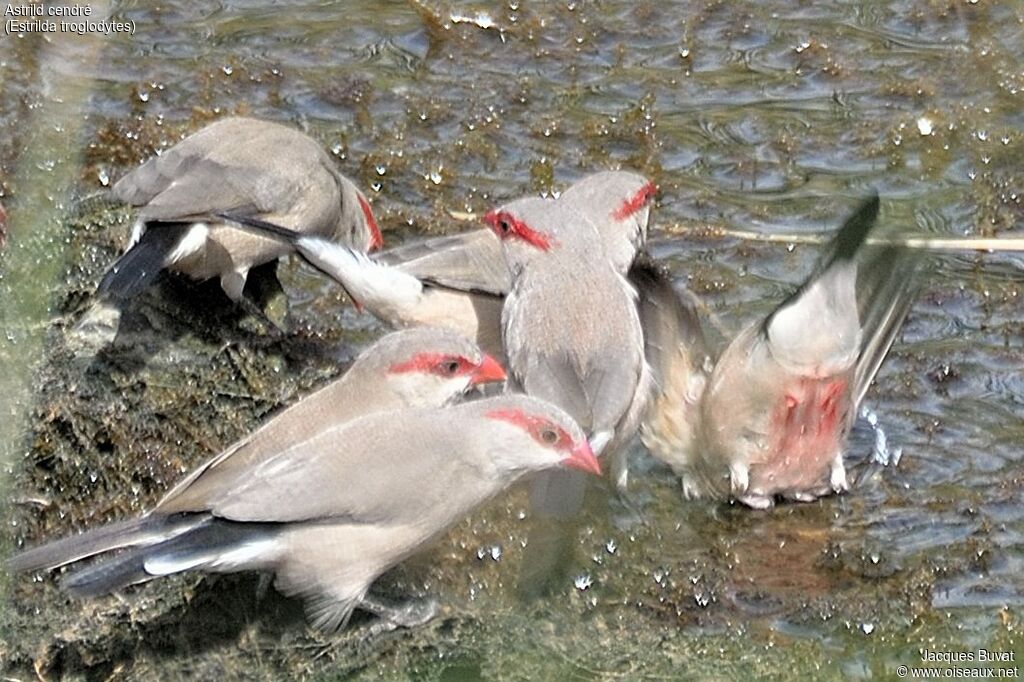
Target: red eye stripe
433	363
518	229
376	239
635	203
535	426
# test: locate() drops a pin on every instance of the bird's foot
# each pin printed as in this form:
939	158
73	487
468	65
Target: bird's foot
258	321
739	478
691	488
97	329
803	496
757	501
409	614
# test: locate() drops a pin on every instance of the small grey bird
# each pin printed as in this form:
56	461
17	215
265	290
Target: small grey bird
331	516
235	166
778	406
570	324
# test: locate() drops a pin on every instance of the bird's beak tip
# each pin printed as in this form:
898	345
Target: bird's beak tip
488	370
582	458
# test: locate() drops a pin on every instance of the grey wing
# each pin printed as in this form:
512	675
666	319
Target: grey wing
595	387
557	378
207	188
888	281
674	342
352	471
677	354
471	261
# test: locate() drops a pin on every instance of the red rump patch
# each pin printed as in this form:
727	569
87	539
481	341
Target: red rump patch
634	203
536	427
506	225
376	239
434	363
809	419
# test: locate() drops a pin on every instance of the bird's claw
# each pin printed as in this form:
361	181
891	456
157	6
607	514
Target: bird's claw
410	614
837	477
739	478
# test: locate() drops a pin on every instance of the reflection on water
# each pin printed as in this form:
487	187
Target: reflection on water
773	117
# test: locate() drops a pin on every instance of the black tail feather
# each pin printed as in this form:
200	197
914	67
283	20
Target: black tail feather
127	568
205	542
843	247
262	227
136	269
855	230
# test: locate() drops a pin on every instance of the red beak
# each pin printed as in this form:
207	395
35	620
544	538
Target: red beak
488	370
582	458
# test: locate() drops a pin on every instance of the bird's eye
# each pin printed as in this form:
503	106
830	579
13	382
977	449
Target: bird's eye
549	436
450	367
504	226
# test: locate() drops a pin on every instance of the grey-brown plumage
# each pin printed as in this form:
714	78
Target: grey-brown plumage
680	361
361	497
783	396
570	324
238	166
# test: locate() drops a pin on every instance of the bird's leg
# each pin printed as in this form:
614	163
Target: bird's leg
263	585
265	289
837	474
233	284
408	614
619	470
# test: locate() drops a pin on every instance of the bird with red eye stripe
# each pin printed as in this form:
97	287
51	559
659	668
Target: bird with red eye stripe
572	337
360	497
190	196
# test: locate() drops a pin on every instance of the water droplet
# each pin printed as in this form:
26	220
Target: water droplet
611	546
583	581
381	170
982	135
227	69
924	125
143	96
104	177
867	628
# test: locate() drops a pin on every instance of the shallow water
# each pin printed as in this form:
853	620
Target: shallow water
773	117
